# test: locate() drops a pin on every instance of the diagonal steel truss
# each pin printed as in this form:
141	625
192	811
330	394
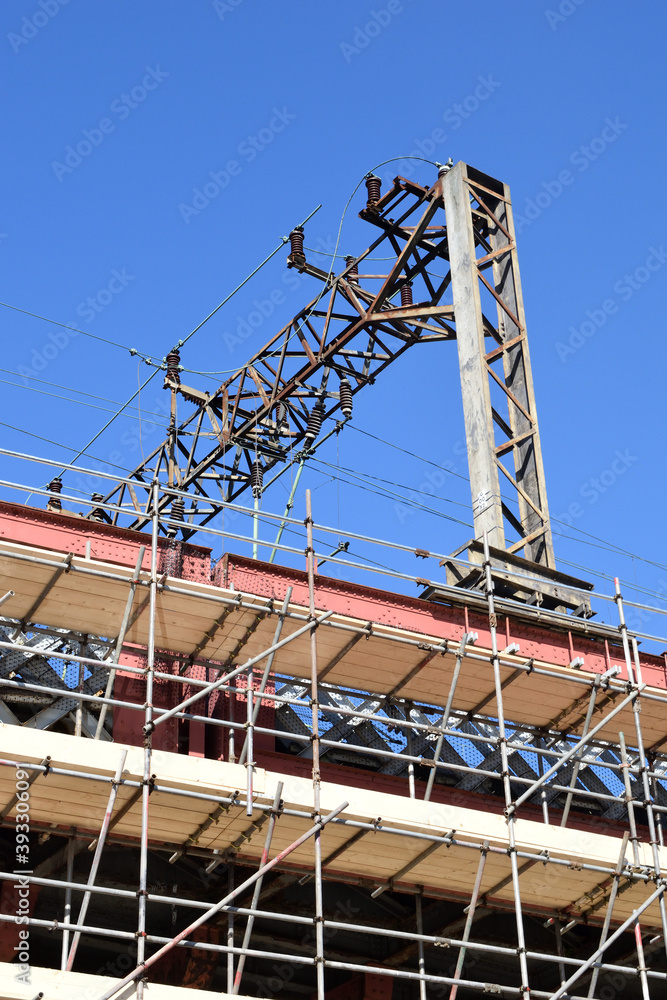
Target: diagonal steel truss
452	260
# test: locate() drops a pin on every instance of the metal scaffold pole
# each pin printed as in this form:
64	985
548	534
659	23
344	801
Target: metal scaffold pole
510	806
211	911
148	742
230	928
67	916
497	783
633	666
315	725
118	648
97	857
275	812
419	915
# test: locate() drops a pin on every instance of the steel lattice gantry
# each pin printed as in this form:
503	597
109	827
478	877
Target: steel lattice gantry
354	329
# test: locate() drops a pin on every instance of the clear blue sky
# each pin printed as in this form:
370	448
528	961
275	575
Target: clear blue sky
304	98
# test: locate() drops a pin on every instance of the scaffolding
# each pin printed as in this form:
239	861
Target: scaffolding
441	796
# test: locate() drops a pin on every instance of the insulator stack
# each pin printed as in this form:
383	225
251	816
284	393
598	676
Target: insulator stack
345	395
353	272
314	423
296	244
173	363
280	414
177	514
406	293
373	186
178	509
55	487
97	513
257	479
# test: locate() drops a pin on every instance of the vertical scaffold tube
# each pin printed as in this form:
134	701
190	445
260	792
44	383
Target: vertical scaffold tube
267	669
250	742
420	947
230	927
258	888
67	917
148	742
314	700
648	792
510	809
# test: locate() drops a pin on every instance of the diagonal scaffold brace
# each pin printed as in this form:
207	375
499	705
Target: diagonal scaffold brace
222	681
115	784
563	991
217	907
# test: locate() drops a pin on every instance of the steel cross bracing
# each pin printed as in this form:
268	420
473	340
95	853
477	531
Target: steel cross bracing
453	262
523	759
360	732
44	668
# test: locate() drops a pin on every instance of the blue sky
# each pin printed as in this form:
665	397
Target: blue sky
288	106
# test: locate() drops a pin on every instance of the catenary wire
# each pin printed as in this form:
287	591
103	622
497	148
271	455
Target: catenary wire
342	256
416	505
79	402
389	482
412	454
610	580
133	350
610	546
69	326
389	494
326	284
283	241
110	420
67	388
607	547
59	444
602	543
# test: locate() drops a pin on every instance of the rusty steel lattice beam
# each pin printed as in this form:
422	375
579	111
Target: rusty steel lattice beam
451	258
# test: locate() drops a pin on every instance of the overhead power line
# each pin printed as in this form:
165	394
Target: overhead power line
59	444
80	402
110	421
69	326
283	241
602	543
